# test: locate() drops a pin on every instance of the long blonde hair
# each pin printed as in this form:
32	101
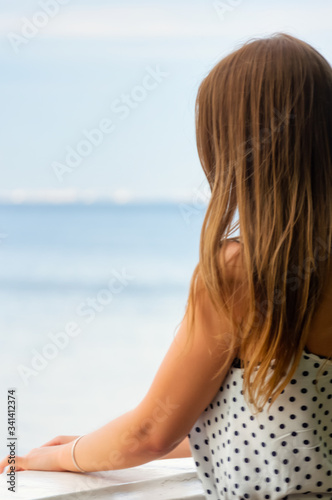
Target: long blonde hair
264	138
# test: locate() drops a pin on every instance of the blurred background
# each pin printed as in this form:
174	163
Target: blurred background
102	196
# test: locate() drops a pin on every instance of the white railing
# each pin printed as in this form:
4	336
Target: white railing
171	479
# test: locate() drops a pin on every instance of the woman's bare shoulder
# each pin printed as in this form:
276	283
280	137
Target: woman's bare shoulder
231	253
236	277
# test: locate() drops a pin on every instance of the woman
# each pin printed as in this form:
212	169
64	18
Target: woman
246	385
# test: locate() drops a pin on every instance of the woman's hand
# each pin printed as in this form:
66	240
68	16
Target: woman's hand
44	458
60	440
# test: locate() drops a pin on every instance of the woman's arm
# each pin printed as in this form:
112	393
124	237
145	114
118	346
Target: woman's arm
181	451
181	390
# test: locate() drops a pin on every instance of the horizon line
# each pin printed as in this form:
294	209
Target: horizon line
89	197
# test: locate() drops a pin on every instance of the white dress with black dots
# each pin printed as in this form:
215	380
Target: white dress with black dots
280	454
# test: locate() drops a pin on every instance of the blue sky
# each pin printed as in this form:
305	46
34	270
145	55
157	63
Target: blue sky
131	70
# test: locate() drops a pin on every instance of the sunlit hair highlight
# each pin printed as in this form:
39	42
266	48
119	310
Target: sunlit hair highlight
264	138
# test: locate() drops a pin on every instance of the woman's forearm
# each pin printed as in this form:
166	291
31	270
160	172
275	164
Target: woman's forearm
180	451
124	442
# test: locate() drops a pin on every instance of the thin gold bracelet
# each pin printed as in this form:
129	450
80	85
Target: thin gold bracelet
73	454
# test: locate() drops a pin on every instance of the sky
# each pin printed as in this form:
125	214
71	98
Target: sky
97	97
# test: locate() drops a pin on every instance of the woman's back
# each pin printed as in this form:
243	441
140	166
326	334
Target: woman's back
264	137
286	451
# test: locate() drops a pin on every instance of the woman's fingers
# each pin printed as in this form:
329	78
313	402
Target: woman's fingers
43	458
9	462
59	440
4	463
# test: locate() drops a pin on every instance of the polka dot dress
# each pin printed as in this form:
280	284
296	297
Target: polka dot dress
280	454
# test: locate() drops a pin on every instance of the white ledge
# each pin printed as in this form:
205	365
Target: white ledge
171	479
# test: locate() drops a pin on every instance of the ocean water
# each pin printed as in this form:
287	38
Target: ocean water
91	297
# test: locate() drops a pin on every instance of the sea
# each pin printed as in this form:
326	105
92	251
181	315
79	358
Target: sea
91	299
